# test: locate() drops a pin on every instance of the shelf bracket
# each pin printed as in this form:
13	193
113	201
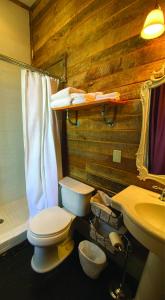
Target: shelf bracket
74	123
109	122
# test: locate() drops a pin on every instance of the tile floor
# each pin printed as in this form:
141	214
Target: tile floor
67	282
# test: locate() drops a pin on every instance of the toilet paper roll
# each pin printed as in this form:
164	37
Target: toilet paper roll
116	240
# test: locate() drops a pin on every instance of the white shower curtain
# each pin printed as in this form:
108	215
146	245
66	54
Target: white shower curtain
41	173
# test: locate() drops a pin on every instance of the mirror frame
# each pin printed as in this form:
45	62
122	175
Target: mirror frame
157	78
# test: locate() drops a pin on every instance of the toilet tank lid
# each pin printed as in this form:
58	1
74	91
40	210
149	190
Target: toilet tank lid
76	186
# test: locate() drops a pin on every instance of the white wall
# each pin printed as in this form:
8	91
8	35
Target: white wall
14	31
14	42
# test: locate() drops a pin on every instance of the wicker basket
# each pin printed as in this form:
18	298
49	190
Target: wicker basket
100	235
104	213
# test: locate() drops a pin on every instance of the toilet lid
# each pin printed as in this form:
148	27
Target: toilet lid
50	221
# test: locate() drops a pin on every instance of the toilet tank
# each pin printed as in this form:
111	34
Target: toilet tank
75	196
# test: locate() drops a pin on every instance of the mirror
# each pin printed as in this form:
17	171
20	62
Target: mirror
151	153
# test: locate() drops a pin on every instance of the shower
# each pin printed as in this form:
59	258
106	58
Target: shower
14	210
13	205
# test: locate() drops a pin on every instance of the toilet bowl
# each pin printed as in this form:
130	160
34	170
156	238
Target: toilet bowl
50	231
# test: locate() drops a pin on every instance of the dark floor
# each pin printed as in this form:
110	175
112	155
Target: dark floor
66	282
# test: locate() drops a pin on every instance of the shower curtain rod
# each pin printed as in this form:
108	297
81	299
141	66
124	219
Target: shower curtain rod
29	67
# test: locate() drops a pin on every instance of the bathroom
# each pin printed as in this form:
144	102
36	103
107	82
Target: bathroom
94	46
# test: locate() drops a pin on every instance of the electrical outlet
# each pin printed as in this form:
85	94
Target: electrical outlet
117	156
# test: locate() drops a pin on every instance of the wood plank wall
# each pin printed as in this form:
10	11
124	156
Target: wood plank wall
105	53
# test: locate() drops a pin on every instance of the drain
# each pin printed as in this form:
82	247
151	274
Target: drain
1	221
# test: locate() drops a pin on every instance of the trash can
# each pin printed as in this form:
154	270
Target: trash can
92	259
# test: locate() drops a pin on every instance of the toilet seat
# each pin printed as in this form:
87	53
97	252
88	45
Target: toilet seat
50	226
47	240
52	235
50	222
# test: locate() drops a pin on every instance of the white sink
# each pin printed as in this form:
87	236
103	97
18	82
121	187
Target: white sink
144	216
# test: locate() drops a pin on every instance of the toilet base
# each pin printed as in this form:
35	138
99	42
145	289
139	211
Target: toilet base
47	258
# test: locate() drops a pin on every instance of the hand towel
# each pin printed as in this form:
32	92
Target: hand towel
114	95
60	102
66	93
77	101
92	96
77	98
107	200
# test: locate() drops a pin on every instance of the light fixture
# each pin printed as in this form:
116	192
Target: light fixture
154	24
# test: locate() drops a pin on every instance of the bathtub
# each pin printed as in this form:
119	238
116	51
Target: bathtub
14	226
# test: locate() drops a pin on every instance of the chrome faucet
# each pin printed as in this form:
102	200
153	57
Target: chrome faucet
162	196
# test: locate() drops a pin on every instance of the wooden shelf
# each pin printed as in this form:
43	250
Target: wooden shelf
87	104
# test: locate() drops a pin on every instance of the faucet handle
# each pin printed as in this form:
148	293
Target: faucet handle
162	196
158	188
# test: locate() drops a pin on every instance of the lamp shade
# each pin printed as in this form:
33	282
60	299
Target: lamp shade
153	25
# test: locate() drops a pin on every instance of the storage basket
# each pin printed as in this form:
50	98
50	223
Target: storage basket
100	234
104	213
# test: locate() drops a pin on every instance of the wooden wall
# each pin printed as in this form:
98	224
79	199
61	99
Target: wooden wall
105	53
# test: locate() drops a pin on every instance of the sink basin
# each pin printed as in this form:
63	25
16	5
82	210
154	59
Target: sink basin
144	217
153	214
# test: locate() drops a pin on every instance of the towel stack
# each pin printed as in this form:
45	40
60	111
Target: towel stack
71	96
67	97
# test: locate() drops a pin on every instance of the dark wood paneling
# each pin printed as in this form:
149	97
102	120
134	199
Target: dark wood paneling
105	53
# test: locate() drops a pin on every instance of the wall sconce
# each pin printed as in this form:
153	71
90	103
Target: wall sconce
154	24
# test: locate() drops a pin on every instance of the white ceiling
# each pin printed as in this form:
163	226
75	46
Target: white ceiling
28	2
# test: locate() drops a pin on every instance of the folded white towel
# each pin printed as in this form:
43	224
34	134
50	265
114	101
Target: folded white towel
77	95
114	95
66	93
77	98
77	101
95	94
60	102
107	200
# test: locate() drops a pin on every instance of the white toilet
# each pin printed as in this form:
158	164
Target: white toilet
50	230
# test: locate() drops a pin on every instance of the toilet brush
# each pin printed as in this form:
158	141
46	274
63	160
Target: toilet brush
118	290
